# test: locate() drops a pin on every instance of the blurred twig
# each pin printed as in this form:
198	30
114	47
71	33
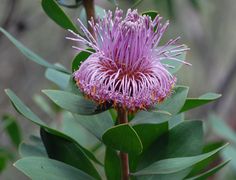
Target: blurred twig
90	12
11	5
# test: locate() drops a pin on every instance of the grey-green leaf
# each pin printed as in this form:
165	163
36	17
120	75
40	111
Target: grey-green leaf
71	102
175	102
31	55
210	172
191	103
61	79
95	124
22	109
39	168
168	166
54	11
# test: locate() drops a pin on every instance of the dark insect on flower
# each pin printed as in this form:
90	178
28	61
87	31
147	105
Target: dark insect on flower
126	69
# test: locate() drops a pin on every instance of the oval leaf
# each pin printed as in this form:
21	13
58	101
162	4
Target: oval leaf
53	11
31	55
22	109
43	168
95	124
189	134
112	164
148	133
27	113
13	130
79	58
63	150
175	102
124	138
71	102
59	78
168	166
209	173
191	103
152	14
174	66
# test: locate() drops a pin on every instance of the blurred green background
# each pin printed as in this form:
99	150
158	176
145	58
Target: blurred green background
206	26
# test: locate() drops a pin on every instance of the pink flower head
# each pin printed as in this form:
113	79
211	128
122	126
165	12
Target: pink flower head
126	68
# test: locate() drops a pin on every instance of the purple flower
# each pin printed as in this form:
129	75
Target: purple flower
126	68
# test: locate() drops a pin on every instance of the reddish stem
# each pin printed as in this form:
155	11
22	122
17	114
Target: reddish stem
90	12
122	119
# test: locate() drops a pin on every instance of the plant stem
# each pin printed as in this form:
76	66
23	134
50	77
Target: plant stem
90	12
122	119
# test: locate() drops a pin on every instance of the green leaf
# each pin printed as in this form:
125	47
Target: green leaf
71	102
44	105
27	113
74	129
175	102
199	167
68	3
95	124
63	150
175	120
79	58
42	168
22	109
230	153
174	66
148	133
31	55
209	173
53	11
61	79
152	14
220	127
124	138
33	147
3	163
185	139
13	130
112	165
73	88
4	157
168	166
203	99
152	117
26	150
